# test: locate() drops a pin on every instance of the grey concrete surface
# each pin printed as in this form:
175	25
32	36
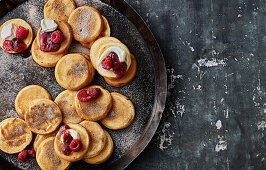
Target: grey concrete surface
215	117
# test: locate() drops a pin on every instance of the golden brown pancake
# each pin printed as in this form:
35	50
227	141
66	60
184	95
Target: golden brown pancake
97	44
15	136
74	156
66	102
127	78
18	22
105	154
27	95
86	23
97	138
106	32
47	158
95	109
67	32
74	72
40	138
42	58
101	48
122	113
43	117
59	10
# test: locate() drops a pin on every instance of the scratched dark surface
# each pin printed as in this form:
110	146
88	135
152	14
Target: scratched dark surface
215	117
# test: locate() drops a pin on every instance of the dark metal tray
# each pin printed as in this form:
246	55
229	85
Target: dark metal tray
147	91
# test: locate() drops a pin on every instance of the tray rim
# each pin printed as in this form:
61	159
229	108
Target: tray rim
160	84
160	81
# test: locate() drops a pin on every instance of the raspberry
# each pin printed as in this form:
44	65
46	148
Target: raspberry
22	33
76	145
57	36
67	138
66	149
22	156
19	45
94	93
83	96
8	45
107	63
120	69
32	153
64	127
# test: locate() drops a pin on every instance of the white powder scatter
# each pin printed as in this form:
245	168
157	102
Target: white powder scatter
199	87
222	144
218	124
166	137
211	63
177	109
173	79
261	125
191	48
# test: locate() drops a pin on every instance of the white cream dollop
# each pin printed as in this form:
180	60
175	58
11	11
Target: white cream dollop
8	32
48	25
122	55
73	133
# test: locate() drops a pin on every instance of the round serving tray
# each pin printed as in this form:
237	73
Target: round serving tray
147	91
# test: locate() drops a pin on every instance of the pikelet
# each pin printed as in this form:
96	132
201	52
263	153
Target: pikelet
94	51
105	33
18	22
74	71
27	95
105	154
86	23
97	138
122	113
127	78
67	32
113	60
95	109
43	117
48	159
73	156
59	10
66	102
43	58
40	138
15	136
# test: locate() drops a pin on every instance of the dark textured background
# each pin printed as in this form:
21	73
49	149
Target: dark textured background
215	116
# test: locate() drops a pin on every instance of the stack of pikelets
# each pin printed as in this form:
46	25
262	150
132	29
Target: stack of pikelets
43	116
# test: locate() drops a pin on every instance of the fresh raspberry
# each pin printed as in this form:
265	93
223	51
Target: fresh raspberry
8	45
66	149
19	45
120	69
94	93
22	156
76	145
22	33
67	138
83	96
32	153
107	63
57	36
64	127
